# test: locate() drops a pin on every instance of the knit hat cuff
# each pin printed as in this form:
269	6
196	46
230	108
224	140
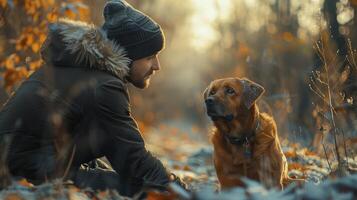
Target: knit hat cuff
146	48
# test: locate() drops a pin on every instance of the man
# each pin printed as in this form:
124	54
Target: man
76	108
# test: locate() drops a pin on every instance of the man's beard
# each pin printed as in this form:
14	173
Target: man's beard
143	82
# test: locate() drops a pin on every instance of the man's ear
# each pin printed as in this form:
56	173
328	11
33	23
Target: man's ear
251	92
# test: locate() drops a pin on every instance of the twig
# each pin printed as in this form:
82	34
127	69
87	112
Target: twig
345	147
321	97
328	162
323	146
351	52
332	117
69	163
322	86
312	79
332	121
317	77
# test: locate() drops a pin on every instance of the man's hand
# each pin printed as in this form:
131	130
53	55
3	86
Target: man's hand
177	180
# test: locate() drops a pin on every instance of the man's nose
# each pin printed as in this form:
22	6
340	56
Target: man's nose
156	64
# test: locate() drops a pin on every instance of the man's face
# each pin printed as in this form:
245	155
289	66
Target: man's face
142	70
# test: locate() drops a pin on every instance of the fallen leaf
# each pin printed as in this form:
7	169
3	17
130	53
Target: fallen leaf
25	183
154	195
13	196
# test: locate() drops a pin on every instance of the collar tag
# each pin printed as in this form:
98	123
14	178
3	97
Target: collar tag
247	148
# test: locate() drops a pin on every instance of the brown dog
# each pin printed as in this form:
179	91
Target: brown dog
245	141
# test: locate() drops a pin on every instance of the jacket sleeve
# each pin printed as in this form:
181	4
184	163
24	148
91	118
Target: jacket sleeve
125	149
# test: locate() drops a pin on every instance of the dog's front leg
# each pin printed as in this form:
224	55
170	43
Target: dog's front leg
270	172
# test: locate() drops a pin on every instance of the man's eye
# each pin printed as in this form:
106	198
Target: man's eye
230	91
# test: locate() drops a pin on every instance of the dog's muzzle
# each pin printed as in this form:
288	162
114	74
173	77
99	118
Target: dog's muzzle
214	108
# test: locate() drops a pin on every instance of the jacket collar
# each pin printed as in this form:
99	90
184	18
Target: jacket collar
74	43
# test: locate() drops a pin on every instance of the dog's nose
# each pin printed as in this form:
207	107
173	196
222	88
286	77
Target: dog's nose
209	101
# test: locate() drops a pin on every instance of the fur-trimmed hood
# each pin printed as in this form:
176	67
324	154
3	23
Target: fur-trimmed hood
77	44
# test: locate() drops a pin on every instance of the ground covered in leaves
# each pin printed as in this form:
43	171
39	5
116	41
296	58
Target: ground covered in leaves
191	159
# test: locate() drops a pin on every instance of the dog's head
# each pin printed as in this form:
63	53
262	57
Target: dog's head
226	98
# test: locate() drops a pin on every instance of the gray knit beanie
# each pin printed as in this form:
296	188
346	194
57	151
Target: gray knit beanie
136	32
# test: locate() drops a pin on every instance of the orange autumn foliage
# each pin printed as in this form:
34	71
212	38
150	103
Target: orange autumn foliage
13	196
153	195
296	166
290	154
13	76
3	3
308	152
27	43
25	183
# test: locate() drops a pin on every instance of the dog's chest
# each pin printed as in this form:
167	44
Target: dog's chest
244	167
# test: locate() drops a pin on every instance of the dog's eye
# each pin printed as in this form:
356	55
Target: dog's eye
230	91
212	92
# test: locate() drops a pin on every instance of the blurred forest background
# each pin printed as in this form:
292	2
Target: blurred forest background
301	51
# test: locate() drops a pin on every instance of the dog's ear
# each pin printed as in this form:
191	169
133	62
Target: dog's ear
251	92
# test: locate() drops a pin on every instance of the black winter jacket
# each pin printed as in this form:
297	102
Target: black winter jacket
77	103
